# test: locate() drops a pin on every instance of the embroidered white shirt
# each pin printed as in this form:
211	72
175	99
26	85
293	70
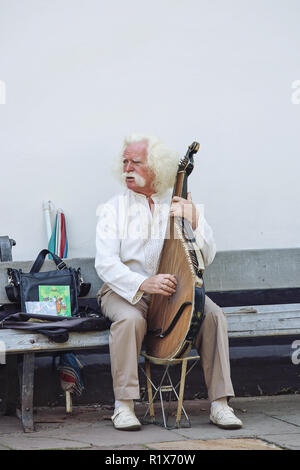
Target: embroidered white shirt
129	240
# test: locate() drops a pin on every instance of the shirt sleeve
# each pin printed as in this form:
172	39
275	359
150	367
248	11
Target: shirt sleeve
109	267
205	240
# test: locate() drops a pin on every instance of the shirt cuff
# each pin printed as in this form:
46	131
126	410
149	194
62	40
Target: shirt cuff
137	296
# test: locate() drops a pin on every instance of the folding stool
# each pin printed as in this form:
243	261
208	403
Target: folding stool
167	387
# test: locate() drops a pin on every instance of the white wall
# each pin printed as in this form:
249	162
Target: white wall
80	74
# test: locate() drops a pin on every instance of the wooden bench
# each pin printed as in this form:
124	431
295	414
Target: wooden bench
27	344
258	290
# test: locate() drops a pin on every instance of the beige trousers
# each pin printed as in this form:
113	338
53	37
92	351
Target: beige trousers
127	332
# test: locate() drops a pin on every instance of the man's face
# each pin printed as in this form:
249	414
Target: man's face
138	176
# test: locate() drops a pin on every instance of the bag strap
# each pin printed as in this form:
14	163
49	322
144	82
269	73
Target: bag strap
12	294
41	258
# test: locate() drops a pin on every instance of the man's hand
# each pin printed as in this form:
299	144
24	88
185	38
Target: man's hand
164	284
185	208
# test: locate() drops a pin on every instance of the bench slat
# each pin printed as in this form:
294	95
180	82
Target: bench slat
268	320
14	341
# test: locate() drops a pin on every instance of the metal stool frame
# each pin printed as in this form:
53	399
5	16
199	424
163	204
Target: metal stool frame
167	388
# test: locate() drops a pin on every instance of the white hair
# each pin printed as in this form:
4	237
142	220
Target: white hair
162	160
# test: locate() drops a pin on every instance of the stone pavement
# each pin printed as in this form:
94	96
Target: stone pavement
270	423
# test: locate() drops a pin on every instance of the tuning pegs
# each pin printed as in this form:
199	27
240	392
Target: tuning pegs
188	159
194	147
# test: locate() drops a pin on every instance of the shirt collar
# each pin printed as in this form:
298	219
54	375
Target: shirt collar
156	197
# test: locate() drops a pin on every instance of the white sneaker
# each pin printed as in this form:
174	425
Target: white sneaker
124	419
224	417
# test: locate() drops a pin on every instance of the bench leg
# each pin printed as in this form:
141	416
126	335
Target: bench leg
27	382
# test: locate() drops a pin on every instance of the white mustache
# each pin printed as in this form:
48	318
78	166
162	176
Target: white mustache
140	181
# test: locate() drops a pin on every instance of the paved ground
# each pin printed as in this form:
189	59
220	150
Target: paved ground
269	423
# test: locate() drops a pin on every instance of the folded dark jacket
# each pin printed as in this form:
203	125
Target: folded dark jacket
55	328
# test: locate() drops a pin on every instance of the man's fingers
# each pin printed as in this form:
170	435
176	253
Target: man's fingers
169	285
177	199
168	289
171	277
165	284
164	292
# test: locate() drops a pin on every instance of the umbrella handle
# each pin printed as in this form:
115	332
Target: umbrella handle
46	209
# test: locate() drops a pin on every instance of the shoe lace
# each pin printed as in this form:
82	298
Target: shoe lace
125	412
224	412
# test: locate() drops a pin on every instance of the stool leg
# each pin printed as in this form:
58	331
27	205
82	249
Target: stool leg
181	392
149	389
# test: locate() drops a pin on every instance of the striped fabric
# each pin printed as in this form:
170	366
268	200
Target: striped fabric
70	374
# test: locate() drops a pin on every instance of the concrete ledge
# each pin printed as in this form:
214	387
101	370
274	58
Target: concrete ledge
237	270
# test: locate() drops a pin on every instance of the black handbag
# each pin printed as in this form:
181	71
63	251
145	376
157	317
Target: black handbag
26	287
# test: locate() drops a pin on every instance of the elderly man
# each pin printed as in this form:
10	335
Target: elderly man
129	239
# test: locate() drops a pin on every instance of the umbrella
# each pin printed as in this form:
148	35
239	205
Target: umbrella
70	373
47	210
58	243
